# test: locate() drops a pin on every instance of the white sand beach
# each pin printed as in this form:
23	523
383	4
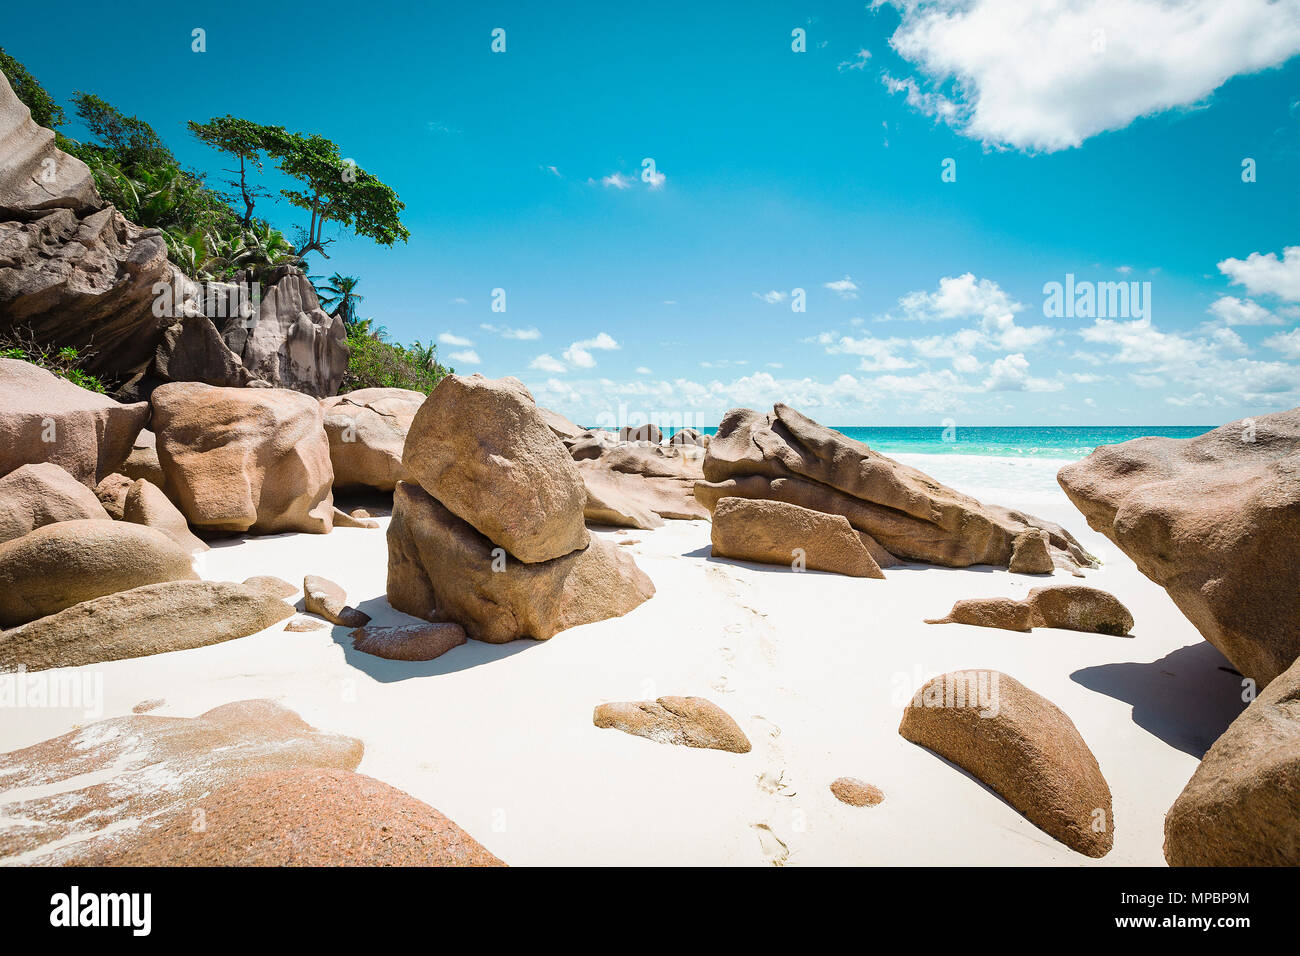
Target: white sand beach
816	669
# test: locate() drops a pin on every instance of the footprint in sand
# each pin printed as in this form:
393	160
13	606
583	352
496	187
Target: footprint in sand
774	849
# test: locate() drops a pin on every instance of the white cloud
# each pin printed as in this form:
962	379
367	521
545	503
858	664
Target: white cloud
1288	343
845	288
447	338
1046	75
877	355
655	178
579	353
771	298
467	357
1011	374
1267	274
617	181
547	363
1233	311
859	61
521	335
642	370
968	298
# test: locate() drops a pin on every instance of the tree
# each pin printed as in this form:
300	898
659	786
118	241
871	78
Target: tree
127	140
244	140
45	112
341	292
334	190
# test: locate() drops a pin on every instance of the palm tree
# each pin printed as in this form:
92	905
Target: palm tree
426	356
340	292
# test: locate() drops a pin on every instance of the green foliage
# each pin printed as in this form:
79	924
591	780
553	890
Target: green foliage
341	292
63	362
45	111
375	363
245	141
123	140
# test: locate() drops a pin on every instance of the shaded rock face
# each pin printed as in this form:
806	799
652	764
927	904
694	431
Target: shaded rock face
153	619
773	532
684	721
441	569
144	503
1023	746
59	565
1071	607
36	495
408	642
481	448
294	343
786	456
367	431
1242	805
250	459
142	462
1215	521
44	418
299	817
153	768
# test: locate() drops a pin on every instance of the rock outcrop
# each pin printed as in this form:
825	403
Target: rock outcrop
684	721
1021	745
1242	805
785	456
637	485
44	418
408	642
1215	521
245	459
298	817
154	619
59	565
774	532
367	431
119	772
323	597
36	495
441	569
36	176
146	504
482	449
1070	607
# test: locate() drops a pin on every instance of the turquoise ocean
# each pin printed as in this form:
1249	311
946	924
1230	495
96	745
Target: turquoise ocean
1028	441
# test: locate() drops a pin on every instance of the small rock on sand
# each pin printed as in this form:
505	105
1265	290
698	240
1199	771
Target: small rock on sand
322	596
856	793
686	721
409	642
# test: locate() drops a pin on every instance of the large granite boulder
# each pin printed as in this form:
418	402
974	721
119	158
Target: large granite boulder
293	343
152	619
636	485
245	459
481	447
1215	521
774	532
145	503
786	456
36	495
35	176
59	565
94	786
367	431
1242	805
1023	746
44	418
305	816
441	569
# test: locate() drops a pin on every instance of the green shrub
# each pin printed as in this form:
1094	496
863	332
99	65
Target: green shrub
63	362
375	363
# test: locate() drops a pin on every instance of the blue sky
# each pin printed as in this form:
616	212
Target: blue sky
1098	138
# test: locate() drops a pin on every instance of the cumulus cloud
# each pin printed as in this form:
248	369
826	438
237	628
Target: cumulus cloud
467	357
1011	374
859	61
547	363
616	181
522	335
1288	343
967	298
447	338
579	354
771	298
1234	311
1267	274
1045	75
845	288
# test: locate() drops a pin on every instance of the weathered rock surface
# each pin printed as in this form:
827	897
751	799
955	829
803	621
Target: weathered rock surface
650	434
294	343
1242	805
270	584
856	793
636	485
441	569
1005	613
1031	553
1078	608
36	495
1023	746
149	768
44	418
408	642
146	504
305	624
111	494
1071	607
343	519
298	817
154	619
367	431
192	350
1215	521
560	426
774	532
245	459
685	721
323	597
143	460
481	447
59	565
36	176
786	456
